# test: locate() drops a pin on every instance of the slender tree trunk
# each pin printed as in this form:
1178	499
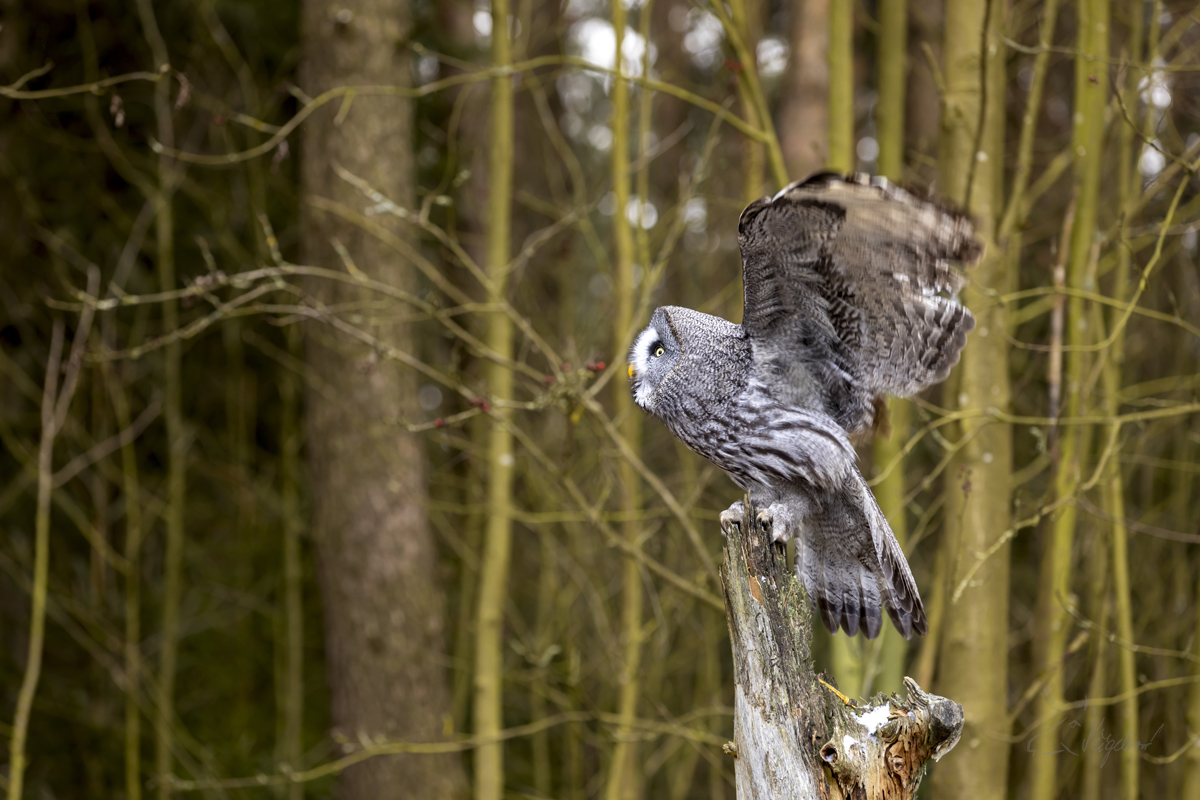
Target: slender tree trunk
290	744
923	101
747	16
889	129
1191	767
1114	484
1098	604
164	720
376	560
1114	491
973	656
1052	621
803	118
18	759
548	591
921	134
98	489
624	780
497	542
893	77
56	403
713	657
133	584
1114	503
840	157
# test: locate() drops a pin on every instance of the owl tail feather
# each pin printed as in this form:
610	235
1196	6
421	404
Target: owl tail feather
852	566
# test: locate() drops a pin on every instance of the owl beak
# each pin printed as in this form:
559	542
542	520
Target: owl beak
631	372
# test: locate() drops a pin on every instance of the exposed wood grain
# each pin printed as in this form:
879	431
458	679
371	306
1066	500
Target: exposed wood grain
795	738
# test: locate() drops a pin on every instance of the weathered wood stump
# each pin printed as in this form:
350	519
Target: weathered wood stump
795	737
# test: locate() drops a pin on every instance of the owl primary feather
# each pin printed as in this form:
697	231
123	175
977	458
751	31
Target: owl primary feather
849	290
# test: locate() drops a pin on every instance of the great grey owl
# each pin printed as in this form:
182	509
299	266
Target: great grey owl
848	295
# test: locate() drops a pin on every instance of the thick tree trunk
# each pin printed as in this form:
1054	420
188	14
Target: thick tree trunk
804	112
624	778
973	657
1051	622
794	737
376	558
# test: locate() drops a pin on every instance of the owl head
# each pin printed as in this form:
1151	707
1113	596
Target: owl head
653	355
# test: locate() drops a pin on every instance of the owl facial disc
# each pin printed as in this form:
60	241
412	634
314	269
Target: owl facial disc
648	347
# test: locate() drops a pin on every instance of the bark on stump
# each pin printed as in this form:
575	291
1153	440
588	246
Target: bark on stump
794	737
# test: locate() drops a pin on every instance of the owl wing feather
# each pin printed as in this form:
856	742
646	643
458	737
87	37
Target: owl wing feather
844	276
838	566
777	443
853	567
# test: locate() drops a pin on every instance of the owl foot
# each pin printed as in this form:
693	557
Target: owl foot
731	518
778	520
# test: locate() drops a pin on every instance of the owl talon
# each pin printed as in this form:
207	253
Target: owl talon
776	520
731	518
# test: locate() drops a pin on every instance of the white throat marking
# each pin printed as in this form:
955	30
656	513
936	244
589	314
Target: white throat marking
641	364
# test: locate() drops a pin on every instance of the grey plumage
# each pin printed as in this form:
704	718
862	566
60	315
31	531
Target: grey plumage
848	290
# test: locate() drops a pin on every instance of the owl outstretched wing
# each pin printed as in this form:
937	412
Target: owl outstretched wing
853	279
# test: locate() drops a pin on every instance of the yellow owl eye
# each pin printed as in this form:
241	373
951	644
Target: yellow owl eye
658	351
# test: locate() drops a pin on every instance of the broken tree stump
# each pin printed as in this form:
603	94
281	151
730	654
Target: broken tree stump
795	737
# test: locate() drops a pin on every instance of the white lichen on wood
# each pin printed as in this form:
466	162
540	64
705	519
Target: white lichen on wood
795	738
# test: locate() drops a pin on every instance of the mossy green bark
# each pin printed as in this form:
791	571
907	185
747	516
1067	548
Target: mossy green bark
497	539
1052	621
623	779
973	653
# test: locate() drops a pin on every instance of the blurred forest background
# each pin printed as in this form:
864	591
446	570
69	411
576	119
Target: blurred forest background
320	476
